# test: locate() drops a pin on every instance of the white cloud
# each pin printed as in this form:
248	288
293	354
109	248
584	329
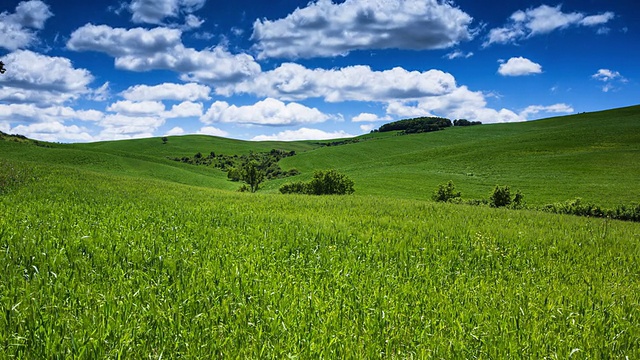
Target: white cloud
541	20
143	108
519	67
266	112
31	113
292	81
324	28
168	91
16	28
601	19
53	131
367	127
213	131
102	93
155	11
184	110
161	48
606	75
41	79
175	131
610	78
118	126
456	54
552	109
368	117
460	104
303	134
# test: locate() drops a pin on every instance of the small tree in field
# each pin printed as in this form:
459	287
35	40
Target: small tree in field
165	139
252	175
446	192
501	196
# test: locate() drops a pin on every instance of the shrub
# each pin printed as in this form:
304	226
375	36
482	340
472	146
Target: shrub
329	182
294	188
501	197
446	193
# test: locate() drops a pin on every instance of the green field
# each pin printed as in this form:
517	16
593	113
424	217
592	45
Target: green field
113	250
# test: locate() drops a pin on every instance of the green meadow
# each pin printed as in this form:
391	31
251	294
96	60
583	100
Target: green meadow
114	250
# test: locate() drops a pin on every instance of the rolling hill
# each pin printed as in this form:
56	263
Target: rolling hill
593	156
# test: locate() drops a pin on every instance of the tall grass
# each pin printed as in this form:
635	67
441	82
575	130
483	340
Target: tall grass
95	266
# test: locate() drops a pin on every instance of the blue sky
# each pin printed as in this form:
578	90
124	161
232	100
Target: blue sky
82	70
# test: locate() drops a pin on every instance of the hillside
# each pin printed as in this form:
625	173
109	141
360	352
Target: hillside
593	156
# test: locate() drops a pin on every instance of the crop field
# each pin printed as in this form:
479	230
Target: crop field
111	252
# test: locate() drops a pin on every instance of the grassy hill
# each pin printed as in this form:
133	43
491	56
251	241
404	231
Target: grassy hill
113	250
593	156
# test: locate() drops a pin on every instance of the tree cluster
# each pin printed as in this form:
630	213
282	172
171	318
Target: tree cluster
417	125
329	182
465	122
234	165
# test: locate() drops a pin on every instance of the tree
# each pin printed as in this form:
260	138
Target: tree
2	68
501	196
165	139
252	175
330	182
446	192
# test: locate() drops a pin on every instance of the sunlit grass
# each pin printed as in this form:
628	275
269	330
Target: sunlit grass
97	266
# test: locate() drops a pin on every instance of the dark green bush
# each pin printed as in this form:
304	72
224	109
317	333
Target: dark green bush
501	197
445	193
329	182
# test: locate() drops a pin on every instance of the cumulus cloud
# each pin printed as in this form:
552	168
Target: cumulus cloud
168	91
143	108
184	110
460	104
324	28
175	131
212	131
17	30
266	112
119	126
155	11
368	117
53	131
292	81
519	66
610	78
41	79
303	134
542	20
161	48
31	113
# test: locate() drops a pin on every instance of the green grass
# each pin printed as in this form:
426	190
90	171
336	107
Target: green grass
111	250
139	269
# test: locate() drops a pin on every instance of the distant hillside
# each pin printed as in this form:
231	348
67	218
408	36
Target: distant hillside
593	155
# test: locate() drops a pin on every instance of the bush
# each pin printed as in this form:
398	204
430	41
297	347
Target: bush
329	182
501	197
294	188
446	193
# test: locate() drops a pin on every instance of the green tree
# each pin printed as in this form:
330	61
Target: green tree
445	192
501	196
252	175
